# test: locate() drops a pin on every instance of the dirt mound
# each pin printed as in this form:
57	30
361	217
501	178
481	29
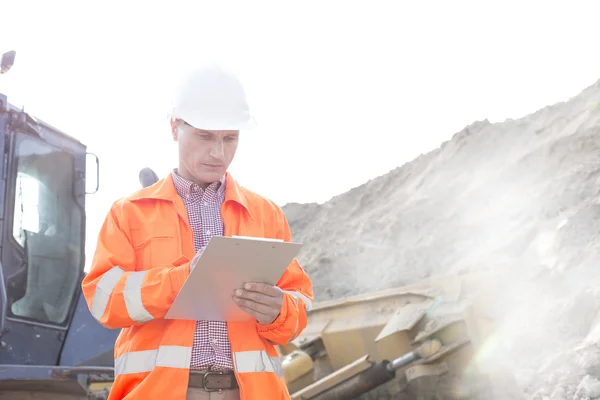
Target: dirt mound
519	196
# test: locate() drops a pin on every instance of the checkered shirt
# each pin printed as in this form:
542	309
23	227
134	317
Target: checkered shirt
211	349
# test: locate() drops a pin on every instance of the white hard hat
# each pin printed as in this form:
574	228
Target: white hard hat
212	97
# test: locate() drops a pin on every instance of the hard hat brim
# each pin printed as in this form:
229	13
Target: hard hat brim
216	125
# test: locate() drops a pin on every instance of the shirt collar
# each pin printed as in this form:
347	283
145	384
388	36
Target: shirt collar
186	188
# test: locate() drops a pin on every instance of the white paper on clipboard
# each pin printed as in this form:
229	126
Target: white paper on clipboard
225	265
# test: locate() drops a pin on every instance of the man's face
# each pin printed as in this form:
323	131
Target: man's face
204	156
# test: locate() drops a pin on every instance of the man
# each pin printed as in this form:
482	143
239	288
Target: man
148	244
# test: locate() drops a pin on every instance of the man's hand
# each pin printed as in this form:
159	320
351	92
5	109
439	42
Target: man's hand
260	300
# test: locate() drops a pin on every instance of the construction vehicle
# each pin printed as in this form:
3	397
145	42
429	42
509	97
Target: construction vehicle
422	341
49	342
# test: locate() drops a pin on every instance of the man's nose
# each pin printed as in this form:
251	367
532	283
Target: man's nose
218	149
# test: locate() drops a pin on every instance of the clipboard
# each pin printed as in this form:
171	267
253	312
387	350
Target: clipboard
225	265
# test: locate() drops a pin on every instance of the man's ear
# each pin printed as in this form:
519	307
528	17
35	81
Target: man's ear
174	131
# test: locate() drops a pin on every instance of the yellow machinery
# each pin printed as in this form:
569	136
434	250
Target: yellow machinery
430	340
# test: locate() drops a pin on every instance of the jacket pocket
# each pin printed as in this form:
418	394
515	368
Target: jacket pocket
156	251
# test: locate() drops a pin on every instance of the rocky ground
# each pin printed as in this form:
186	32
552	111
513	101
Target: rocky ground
521	197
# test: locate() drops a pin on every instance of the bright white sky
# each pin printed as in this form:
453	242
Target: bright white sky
343	91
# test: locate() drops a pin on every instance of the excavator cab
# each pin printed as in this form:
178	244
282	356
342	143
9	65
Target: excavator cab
49	342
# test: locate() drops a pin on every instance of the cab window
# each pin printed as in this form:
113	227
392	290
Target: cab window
47	227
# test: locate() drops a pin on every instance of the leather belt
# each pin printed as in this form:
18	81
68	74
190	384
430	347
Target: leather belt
213	381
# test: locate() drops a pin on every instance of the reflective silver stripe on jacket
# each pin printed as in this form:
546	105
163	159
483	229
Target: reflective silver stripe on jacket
180	357
145	360
104	288
132	294
297	322
256	361
298	295
295	334
133	298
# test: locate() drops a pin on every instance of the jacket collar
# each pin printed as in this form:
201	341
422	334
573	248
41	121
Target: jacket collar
164	189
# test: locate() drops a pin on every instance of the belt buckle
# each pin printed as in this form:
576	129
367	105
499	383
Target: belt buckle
205	380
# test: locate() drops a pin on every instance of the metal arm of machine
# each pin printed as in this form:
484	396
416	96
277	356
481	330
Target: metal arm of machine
377	374
426	350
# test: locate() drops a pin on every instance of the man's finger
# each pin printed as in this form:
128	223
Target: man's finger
256	297
256	307
264	288
259	307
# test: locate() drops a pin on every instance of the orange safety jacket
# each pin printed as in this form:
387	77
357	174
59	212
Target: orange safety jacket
141	261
